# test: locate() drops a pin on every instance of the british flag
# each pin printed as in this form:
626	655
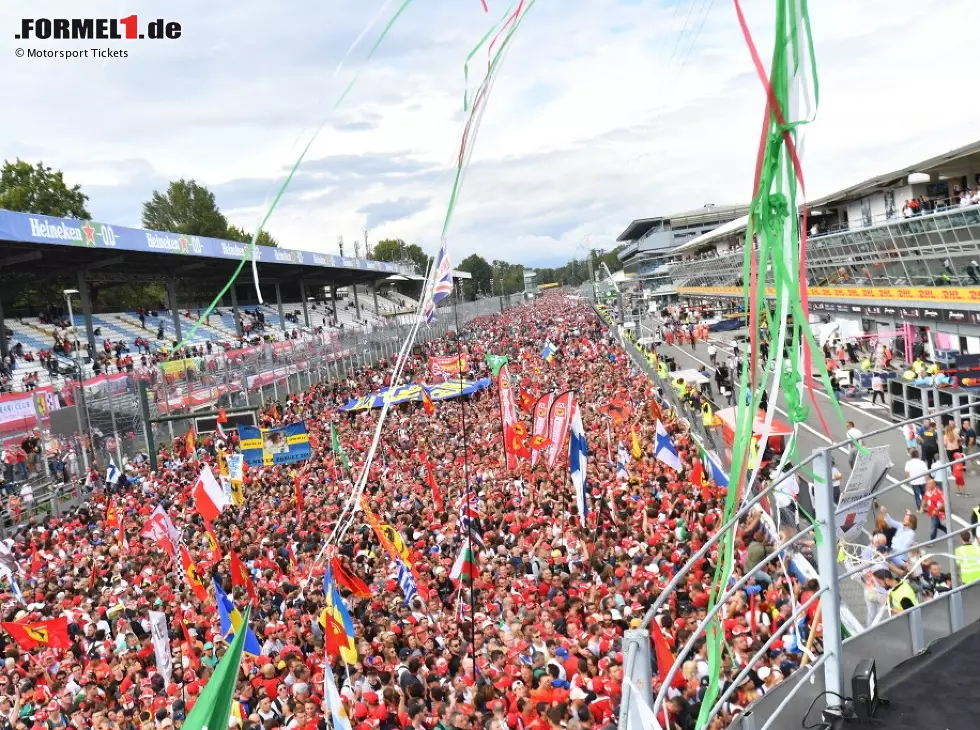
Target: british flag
442	283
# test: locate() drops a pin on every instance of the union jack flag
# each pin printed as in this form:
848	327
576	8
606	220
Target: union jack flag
442	283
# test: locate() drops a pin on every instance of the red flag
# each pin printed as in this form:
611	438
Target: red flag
697	474
36	562
111	516
299	498
51	634
431	476
190	573
347	579
194	660
191	443
665	659
525	401
240	577
213	542
427	405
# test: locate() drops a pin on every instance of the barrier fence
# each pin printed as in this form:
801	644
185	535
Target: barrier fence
887	635
91	423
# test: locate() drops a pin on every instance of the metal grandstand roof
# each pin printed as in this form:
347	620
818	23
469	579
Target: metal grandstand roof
861	189
34	247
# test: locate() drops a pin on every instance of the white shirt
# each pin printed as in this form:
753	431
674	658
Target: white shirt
917	471
877	383
712	350
854	434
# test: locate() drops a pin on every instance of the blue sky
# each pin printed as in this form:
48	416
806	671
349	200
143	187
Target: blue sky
605	111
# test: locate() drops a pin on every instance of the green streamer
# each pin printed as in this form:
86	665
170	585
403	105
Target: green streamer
250	249
476	112
477	47
772	217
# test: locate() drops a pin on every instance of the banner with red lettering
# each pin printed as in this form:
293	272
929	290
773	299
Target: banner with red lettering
507	412
539	426
559	422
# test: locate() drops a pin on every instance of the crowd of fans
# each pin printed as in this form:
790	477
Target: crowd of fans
534	642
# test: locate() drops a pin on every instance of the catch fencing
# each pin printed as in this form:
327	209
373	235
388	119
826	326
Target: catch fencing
101	420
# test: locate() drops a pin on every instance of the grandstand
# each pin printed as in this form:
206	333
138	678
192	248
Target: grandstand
36	250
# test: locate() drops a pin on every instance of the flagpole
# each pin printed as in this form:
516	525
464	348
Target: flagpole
466	479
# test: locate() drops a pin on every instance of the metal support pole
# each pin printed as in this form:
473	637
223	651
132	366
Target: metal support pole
115	431
234	310
638	666
174	309
944	481
357	302
3	333
86	312
827	567
144	404
306	308
333	300
282	315
374	293
80	400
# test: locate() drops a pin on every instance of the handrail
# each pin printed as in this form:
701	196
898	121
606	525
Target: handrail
762	651
665	593
701	628
905	482
800	683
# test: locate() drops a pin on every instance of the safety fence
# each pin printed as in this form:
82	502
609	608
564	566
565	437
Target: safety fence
98	421
821	549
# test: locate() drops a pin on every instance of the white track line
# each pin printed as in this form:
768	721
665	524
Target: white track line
956	518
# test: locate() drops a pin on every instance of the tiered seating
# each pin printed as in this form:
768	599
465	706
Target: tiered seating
401	300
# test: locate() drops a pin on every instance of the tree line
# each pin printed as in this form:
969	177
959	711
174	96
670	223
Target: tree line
188	207
185	206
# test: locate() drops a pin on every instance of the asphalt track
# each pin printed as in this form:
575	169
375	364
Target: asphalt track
810	436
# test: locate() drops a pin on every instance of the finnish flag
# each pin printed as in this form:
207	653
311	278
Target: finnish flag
407	583
665	450
578	457
622	459
112	474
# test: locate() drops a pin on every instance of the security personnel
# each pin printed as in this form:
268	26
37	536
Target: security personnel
901	595
707	417
968	559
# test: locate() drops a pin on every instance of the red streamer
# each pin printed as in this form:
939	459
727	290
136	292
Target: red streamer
773	106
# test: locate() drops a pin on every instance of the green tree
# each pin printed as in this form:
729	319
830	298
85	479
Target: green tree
482	273
186	207
415	254
235	233
40	190
389	249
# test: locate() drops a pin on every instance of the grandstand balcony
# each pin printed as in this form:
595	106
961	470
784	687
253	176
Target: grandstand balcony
937	249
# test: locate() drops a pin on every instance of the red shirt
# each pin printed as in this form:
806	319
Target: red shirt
933	504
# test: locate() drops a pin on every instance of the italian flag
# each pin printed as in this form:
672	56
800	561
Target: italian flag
464	569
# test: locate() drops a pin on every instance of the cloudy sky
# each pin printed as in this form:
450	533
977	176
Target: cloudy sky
604	111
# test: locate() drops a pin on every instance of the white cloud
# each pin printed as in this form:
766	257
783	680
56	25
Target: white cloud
603	112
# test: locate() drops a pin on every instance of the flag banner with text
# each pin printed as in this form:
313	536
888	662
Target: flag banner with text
268	446
413	392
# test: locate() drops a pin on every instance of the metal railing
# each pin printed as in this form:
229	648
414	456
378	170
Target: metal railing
931	249
101	420
889	641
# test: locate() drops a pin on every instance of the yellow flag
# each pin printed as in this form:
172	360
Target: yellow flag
637	451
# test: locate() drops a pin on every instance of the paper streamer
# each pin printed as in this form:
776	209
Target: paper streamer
773	243
249	253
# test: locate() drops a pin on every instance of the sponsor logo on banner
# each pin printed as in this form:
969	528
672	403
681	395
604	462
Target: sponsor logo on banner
560	420
173	243
507	411
540	426
82	233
